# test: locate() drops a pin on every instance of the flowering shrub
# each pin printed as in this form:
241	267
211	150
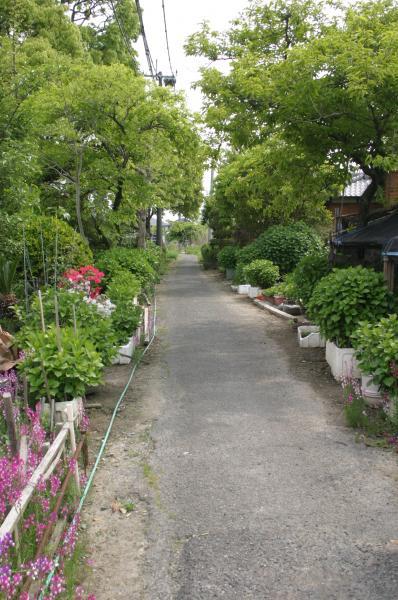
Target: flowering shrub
85	279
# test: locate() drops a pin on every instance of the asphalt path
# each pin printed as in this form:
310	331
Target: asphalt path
259	493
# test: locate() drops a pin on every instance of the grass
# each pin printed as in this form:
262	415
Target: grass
150	475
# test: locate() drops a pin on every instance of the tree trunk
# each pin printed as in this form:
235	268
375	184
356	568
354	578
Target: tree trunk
141	239
148	218
377	180
119	194
159	227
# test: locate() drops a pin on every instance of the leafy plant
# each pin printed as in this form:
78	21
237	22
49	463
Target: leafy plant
8	271
376	348
284	245
209	255
125	320
227	257
60	364
123	286
261	273
309	271
344	298
72	305
129	259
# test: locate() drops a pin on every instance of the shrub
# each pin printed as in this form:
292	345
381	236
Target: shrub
227	257
376	347
261	273
41	234
63	373
125	320
123	286
309	271
209	256
284	245
344	298
72	305
130	259
156	256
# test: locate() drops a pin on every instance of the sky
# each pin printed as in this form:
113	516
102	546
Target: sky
183	18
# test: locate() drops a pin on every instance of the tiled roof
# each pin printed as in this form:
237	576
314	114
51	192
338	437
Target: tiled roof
357	187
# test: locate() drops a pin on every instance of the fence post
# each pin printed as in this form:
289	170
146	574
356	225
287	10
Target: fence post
71	423
11	425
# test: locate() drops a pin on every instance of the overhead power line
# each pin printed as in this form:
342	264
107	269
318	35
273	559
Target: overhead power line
152	70
167	36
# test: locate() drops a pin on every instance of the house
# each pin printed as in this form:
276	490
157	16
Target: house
347	207
372	245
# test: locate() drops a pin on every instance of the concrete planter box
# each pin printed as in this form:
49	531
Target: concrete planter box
234	288
342	361
253	292
60	410
125	353
243	290
229	273
370	392
309	337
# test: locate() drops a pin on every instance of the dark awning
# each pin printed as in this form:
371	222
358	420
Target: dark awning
375	234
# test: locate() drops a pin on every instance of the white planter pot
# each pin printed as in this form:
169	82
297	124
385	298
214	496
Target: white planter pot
342	361
309	337
370	392
229	273
243	290
60	410
234	288
125	353
253	292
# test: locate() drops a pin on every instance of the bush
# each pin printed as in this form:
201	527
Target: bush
41	234
310	270
227	257
376	348
125	320
64	373
72	305
130	259
344	298
261	273
209	256
284	245
123	286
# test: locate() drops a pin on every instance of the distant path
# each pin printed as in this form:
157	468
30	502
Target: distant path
262	493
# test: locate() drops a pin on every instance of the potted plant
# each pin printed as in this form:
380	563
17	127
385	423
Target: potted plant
376	348
59	364
226	259
339	302
260	273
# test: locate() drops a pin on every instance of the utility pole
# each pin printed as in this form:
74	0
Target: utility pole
159	212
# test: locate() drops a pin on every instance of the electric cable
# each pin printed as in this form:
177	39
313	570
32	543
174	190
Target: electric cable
103	446
167	36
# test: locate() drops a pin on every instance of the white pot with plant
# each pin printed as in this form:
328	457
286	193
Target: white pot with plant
340	301
260	273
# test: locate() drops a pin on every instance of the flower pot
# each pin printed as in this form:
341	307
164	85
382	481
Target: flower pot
371	393
278	300
309	337
229	273
234	288
125	353
60	410
253	292
243	290
342	361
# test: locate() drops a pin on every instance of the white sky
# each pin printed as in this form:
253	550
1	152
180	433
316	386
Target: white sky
183	18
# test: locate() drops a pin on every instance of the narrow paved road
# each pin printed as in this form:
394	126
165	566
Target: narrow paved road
260	495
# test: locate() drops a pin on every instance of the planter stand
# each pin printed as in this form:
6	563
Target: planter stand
309	337
342	361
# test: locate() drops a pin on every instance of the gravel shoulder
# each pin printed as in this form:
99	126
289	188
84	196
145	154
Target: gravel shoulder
245	481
